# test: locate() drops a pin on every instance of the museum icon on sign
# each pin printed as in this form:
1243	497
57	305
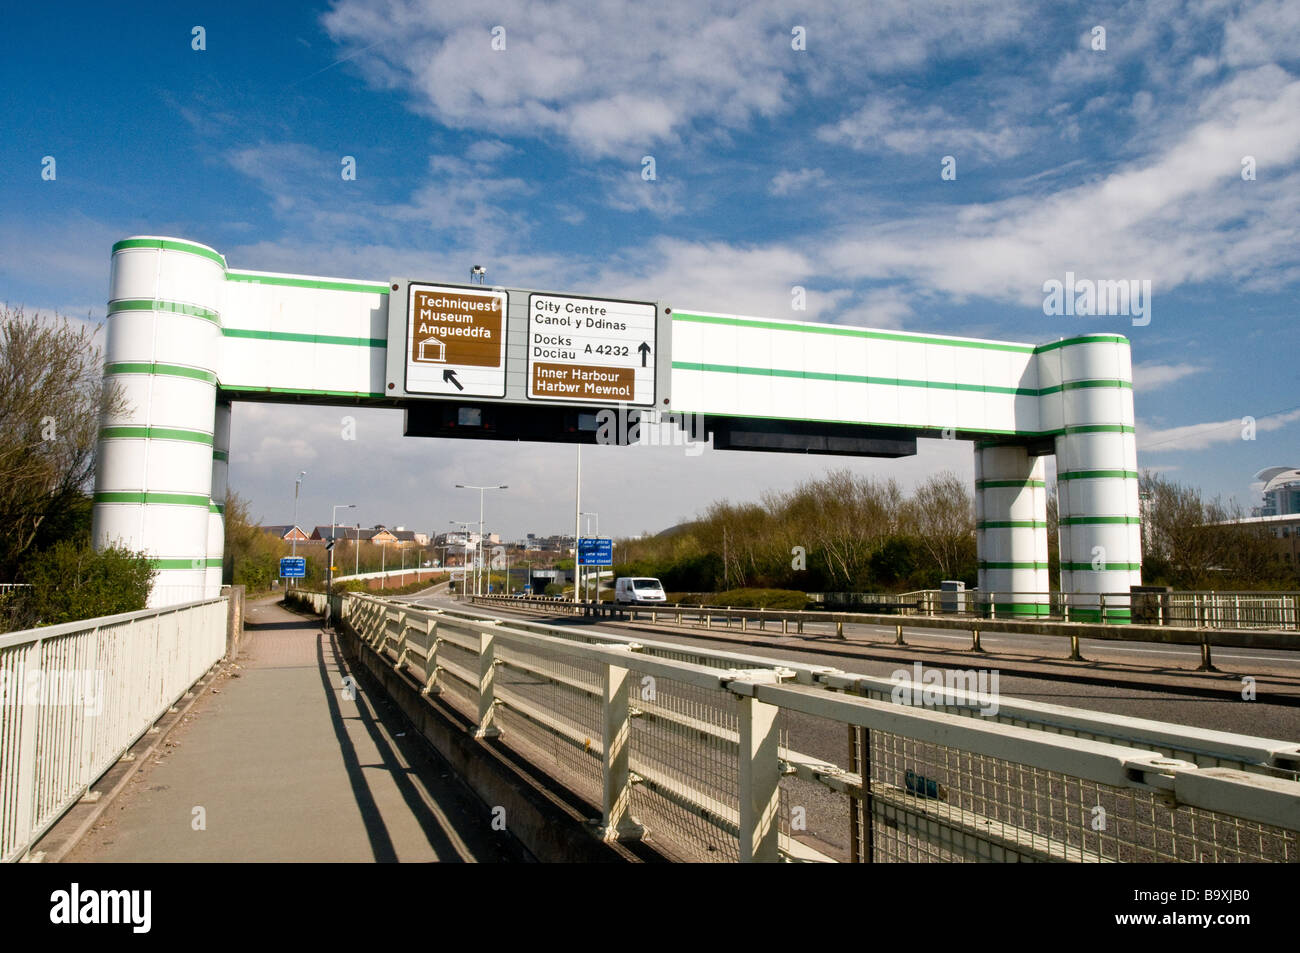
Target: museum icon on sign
432	350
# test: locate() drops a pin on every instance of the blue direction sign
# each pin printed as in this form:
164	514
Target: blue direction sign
595	551
293	567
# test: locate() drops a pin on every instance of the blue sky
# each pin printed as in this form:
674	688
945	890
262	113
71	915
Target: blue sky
774	167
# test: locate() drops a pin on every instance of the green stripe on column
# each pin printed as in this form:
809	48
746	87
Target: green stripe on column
172	499
174	307
156	433
1078	385
204	563
199	250
1099	520
1022	608
305	282
1098	475
1011	524
166	370
1099	428
1082	339
304	338
1105	567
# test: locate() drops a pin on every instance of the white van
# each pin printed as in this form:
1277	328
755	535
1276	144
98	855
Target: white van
630	590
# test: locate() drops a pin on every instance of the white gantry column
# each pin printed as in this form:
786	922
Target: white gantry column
1097	478
1011	528
153	480
216	547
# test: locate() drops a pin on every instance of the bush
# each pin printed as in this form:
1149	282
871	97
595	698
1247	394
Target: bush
70	582
788	599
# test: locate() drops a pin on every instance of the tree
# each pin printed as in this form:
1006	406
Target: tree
1192	543
70	582
51	396
942	513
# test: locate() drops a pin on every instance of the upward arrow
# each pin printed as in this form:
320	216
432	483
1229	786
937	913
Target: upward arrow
450	375
645	351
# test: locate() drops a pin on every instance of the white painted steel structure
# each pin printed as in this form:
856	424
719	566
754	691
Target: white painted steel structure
75	697
188	334
700	756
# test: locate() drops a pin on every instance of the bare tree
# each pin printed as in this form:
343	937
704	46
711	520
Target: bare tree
50	402
942	513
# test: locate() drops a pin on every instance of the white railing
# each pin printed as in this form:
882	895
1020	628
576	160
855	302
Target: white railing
697	747
1278	611
75	697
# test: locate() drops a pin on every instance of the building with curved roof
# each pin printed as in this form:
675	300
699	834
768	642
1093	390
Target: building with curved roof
1281	491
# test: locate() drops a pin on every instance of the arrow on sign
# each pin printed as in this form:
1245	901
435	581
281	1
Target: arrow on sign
450	375
645	351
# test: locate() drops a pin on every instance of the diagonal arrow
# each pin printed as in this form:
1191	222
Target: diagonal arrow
450	375
645	351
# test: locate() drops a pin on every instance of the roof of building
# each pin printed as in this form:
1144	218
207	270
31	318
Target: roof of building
1276	477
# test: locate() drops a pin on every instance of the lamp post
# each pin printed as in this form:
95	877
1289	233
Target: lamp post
333	523
464	525
296	484
356	553
586	581
334	518
577	528
468	486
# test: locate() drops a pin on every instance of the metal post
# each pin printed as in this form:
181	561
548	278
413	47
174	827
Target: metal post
839	629
616	821
898	634
487	667
1075	655
760	779
975	641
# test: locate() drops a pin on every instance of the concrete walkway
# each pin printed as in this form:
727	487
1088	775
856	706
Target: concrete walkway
285	767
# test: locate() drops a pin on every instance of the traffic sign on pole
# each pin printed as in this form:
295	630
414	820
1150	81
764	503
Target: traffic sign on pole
595	551
293	567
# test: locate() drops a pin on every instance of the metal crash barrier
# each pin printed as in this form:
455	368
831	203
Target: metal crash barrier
707	753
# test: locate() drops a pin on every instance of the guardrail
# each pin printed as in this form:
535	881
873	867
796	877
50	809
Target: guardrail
75	697
694	747
1193	609
710	617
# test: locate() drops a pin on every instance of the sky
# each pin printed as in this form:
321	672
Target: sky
794	144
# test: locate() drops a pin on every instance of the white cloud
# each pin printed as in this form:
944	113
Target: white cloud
1150	375
889	124
607	79
787	181
1202	436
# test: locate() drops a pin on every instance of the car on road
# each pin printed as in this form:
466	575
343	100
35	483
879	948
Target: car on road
638	590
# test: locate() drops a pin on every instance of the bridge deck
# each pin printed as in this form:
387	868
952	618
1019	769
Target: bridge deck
287	768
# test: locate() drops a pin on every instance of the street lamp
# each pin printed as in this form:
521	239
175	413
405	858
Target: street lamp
296	483
334	519
464	561
468	486
586	587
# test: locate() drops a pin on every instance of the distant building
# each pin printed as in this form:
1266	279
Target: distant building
1281	491
290	533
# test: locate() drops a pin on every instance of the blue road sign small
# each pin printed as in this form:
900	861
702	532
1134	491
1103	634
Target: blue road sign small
293	567
595	551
